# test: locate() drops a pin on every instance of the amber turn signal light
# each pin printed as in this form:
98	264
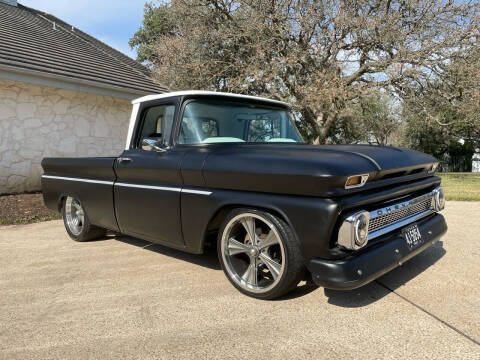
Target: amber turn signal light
356	181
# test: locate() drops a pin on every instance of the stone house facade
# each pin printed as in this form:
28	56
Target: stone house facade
58	99
40	121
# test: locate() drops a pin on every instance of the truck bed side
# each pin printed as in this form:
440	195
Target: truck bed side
89	179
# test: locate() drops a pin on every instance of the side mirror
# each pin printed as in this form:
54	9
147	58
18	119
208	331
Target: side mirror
152	144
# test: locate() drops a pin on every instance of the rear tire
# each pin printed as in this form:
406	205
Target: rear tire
76	221
268	267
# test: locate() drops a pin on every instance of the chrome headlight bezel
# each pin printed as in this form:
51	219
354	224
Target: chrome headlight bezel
349	234
438	199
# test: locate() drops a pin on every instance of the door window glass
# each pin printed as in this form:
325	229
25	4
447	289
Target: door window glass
157	124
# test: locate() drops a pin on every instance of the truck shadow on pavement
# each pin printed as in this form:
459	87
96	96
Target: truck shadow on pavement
208	259
360	297
389	282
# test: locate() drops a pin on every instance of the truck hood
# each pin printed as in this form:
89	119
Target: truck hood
300	169
384	157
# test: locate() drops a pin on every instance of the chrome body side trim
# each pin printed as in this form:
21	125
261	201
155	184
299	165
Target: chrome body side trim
152	187
104	182
164	188
199	192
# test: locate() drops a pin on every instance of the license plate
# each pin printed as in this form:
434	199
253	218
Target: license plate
412	236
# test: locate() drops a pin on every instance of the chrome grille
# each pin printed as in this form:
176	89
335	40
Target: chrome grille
391	214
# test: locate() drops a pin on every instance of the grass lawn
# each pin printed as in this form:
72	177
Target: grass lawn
461	186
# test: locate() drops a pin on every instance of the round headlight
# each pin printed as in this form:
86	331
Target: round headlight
353	233
361	230
439	194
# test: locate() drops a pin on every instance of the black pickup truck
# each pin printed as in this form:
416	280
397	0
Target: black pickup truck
203	166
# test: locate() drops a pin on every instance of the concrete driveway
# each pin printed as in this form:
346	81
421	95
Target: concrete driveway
125	298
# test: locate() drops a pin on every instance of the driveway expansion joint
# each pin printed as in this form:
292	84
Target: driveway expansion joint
430	314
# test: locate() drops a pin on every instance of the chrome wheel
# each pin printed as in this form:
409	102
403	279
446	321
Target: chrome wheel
253	254
74	215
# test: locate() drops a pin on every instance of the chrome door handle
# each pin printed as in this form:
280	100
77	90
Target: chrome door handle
124	160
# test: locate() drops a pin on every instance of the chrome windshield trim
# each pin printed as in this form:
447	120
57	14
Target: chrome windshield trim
399	224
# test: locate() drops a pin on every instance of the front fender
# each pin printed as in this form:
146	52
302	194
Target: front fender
311	218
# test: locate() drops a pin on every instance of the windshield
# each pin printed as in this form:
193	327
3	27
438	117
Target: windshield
206	122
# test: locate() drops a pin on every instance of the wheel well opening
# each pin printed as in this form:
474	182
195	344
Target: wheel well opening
60	203
211	236
218	218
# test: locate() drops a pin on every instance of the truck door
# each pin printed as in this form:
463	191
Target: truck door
148	186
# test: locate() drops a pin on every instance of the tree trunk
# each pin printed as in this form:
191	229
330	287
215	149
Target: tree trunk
324	121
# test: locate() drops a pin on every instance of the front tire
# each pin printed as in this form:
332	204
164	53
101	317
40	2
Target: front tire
76	221
259	253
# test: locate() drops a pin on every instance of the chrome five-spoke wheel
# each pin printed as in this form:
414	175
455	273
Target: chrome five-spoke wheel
74	216
76	221
253	250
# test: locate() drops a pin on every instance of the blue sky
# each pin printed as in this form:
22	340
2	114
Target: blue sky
111	21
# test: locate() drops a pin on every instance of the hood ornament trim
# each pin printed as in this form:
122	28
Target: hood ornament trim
368	158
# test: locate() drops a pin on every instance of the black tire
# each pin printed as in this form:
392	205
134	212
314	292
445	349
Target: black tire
88	231
294	269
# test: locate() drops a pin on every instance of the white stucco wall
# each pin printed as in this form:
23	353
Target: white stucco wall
39	121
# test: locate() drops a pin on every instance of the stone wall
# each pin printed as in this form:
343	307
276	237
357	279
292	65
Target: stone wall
40	121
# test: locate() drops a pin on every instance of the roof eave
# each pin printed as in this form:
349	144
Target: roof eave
65	82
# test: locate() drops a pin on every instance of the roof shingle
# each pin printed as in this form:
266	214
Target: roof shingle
37	41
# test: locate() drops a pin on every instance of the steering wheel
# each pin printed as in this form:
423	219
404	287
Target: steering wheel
261	136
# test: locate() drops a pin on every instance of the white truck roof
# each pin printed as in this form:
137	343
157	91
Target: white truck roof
203	92
136	104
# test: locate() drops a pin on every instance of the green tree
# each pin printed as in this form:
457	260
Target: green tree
453	142
374	119
380	119
449	109
156	22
